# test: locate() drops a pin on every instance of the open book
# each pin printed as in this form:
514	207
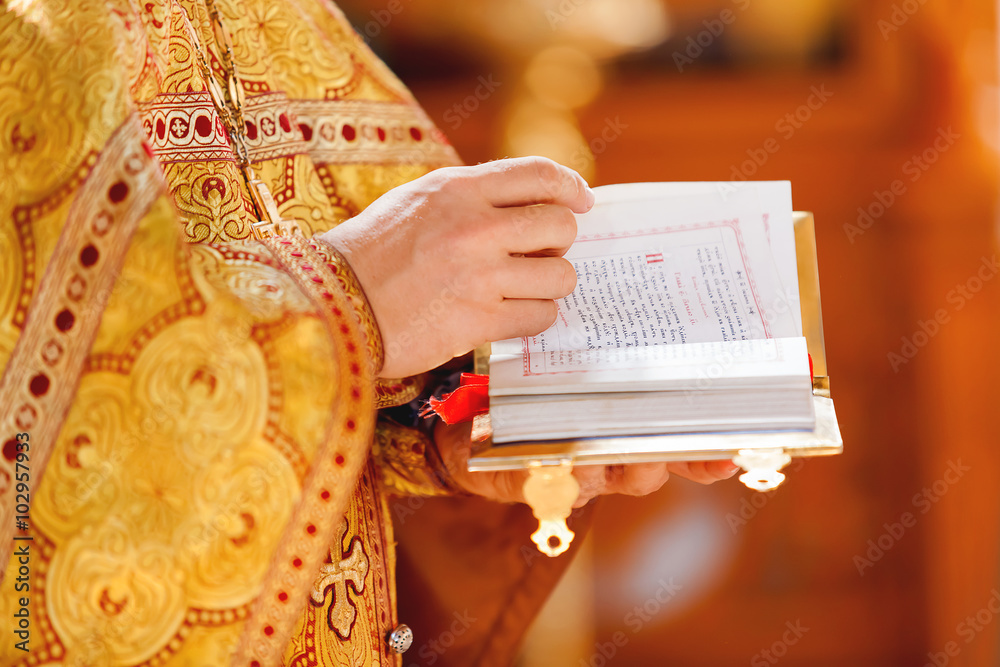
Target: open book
685	321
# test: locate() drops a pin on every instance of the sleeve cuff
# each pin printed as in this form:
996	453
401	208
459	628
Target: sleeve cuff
348	281
409	462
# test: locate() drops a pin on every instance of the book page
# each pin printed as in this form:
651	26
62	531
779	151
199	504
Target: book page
771	201
692	367
661	287
663	264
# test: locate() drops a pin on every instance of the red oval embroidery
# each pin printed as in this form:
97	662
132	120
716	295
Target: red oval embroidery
65	320
89	256
118	192
203	126
10	449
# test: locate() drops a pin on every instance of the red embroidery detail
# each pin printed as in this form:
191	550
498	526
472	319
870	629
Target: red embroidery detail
213	183
339	460
72	452
118	192
311	529
416	133
248	522
10	449
348	132
307	132
65	320
203	125
256	86
381	134
19	142
297	563
109	606
39	385
89	256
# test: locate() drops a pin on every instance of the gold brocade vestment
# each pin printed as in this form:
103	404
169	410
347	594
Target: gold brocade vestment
200	407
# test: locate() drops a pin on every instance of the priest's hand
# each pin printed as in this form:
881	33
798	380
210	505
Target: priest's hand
454	444
465	255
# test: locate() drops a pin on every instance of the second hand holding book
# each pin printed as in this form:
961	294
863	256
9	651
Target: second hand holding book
683	340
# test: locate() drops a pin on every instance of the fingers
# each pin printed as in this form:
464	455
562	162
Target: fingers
538	235
637	479
536	278
533	180
454	443
538	229
508	485
704	472
593	482
522	317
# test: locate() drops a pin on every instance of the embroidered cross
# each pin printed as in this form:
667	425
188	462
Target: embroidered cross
336	576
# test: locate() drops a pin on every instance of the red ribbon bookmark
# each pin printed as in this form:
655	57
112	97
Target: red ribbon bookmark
470	399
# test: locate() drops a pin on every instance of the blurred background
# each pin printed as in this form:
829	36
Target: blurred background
884	116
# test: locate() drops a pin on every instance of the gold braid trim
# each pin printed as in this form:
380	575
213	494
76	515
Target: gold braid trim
40	380
336	466
338	265
390	393
409	462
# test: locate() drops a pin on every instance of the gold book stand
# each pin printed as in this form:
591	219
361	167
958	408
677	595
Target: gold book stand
551	489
